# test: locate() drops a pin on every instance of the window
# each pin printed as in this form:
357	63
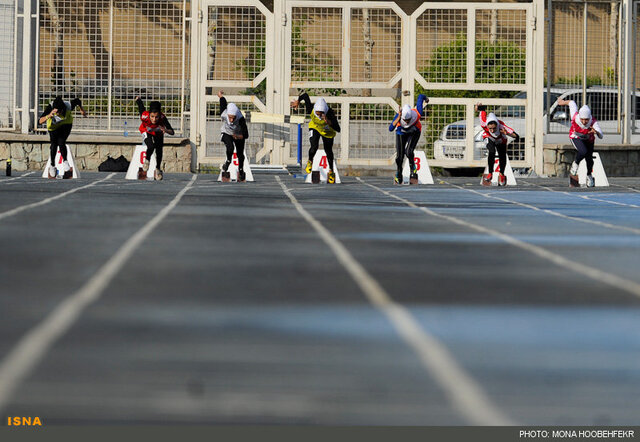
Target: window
604	105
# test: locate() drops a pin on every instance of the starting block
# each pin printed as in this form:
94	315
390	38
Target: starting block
599	176
59	166
424	172
232	173
320	169
508	172
137	160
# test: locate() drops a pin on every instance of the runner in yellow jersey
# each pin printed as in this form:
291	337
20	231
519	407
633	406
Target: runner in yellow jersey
323	124
58	115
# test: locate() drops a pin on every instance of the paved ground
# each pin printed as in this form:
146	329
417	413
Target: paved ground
190	301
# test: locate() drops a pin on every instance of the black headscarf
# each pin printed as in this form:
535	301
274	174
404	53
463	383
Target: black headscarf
58	103
155	106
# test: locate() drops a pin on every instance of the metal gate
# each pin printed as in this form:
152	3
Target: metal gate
367	59
635	42
575	71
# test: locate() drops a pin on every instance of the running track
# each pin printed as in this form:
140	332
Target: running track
276	302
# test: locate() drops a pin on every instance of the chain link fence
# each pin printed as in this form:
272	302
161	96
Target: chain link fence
107	52
584	62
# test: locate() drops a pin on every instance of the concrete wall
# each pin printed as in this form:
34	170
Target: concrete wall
618	160
32	152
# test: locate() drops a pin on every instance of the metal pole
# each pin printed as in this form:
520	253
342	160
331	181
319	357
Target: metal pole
110	80
584	56
549	61
300	144
619	67
26	67
628	75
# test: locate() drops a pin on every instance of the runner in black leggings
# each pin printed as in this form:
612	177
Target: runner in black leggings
234	134
582	134
495	133
154	124
59	118
323	124
408	129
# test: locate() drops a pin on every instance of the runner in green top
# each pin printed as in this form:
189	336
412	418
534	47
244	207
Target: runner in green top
59	118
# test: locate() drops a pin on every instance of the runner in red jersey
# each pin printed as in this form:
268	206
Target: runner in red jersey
494	133
582	134
153	126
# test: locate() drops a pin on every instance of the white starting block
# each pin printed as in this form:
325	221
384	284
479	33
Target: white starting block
321	164
234	168
508	172
424	172
59	166
137	160
599	176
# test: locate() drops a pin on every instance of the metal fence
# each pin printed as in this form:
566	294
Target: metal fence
635	109
586	62
367	59
107	52
8	19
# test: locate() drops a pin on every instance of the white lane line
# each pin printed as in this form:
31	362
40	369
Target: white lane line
16	178
593	273
588	198
625	187
17	210
31	348
463	392
551	212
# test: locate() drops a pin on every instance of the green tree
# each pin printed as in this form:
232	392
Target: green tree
495	62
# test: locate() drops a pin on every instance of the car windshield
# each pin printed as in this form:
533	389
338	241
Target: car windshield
514	111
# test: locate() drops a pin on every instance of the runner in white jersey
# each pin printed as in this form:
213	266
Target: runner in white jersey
582	134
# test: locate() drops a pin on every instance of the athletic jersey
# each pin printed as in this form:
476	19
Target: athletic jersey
57	121
321	126
153	129
496	136
146	127
580	131
414	124
327	130
239	125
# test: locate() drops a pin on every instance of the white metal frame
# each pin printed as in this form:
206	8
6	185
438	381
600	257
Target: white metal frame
346	7
278	76
472	8
200	82
632	74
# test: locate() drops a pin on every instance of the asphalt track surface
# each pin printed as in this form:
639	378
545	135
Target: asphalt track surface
189	301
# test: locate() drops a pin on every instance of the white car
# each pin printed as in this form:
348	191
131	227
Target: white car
602	100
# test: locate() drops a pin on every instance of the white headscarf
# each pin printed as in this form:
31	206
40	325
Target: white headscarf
232	109
409	117
491	118
227	126
321	106
584	112
406	112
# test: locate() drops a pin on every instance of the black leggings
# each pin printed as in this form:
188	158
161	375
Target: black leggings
502	155
405	145
584	151
59	140
314	139
229	141
154	144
